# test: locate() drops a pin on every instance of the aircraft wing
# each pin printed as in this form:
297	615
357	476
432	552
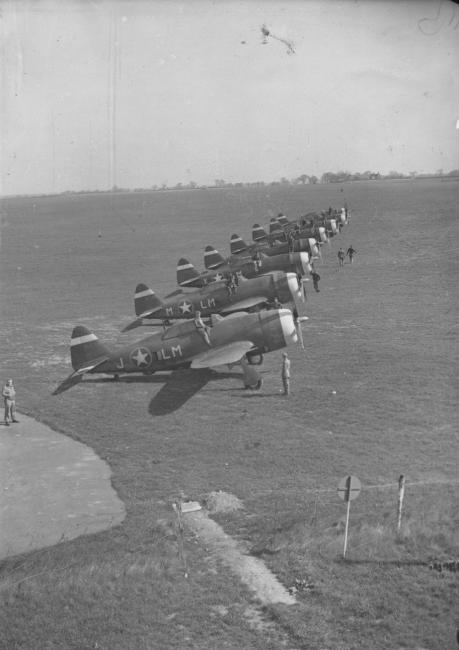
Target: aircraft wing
244	304
222	355
77	376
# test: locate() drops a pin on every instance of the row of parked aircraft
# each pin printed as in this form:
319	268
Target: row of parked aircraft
251	301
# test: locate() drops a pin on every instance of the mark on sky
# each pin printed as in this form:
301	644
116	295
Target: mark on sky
266	33
446	16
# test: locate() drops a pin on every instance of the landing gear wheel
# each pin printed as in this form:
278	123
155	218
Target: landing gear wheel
116	377
256	386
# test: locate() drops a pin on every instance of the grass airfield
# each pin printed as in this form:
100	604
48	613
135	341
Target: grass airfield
382	333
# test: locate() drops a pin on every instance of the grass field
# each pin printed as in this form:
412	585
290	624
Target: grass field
382	333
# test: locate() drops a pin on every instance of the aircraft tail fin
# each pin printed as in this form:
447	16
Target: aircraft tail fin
282	219
237	245
187	275
86	351
259	233
212	258
274	226
145	300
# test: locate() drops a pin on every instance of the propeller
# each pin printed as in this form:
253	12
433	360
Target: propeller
298	320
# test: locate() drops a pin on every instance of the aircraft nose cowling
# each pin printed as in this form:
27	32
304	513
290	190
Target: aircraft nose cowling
288	326
314	247
278	329
295	288
303	265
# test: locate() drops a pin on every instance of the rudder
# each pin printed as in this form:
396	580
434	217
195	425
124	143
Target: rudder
186	273
85	347
212	258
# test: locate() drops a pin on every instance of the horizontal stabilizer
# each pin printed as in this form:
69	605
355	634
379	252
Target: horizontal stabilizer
132	325
222	355
77	376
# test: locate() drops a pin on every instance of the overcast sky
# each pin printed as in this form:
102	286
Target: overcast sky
147	92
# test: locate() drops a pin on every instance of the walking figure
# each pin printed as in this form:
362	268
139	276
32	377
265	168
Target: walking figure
202	328
286	373
257	261
315	279
351	252
9	401
341	257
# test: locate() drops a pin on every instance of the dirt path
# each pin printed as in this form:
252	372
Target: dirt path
252	571
51	488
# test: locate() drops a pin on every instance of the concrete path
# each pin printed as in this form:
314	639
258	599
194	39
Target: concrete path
250	570
51	488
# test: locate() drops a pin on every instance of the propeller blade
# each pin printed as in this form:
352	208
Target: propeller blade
300	334
299	331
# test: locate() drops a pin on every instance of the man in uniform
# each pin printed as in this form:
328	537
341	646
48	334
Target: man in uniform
341	257
9	401
351	252
315	279
202	328
286	373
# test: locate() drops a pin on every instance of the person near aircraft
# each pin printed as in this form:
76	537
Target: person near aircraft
229	285
286	373
275	304
315	279
257	261
9	401
350	253
202	328
341	257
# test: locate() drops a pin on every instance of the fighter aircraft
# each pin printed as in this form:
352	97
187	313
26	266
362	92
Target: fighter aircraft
188	276
217	298
271	249
289	262
237	339
313	220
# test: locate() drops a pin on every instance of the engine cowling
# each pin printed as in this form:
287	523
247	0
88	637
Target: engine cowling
278	328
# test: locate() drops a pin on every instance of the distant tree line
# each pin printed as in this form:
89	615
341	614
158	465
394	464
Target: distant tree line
303	179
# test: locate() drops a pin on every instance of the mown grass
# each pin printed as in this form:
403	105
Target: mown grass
381	333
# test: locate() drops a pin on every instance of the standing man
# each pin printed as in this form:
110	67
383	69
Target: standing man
351	252
9	401
286	373
315	279
202	328
341	257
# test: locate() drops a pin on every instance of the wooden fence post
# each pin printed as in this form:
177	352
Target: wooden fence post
401	494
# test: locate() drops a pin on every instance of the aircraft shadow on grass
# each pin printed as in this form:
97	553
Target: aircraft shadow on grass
179	386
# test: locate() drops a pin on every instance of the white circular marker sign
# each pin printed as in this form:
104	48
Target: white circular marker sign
349	488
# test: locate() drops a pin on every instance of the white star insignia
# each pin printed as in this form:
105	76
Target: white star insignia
185	307
141	357
218	276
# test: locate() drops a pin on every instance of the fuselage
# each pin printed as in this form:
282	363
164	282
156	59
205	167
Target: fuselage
216	298
297	262
180	343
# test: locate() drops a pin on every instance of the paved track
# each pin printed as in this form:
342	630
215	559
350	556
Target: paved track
51	488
